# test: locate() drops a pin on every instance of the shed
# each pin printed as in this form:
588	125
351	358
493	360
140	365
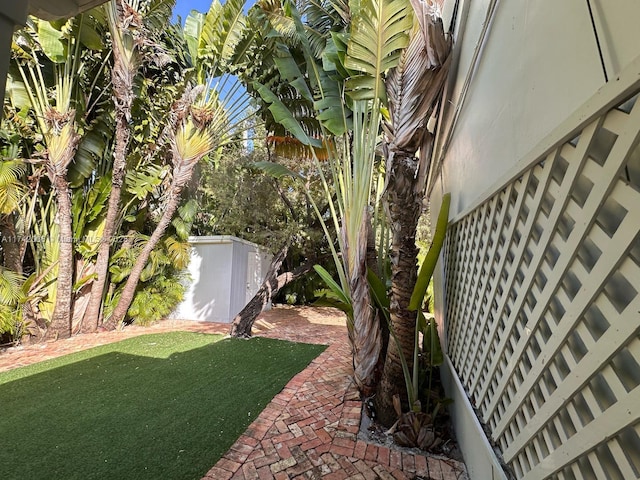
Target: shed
226	272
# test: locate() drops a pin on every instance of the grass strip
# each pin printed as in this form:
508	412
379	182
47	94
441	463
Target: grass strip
161	406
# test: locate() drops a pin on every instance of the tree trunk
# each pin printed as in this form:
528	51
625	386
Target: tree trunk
60	326
92	316
129	290
403	204
366	337
122	81
242	323
10	244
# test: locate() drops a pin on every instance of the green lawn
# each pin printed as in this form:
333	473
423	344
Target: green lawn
161	407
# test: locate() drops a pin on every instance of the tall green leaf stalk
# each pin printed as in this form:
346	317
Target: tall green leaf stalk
350	74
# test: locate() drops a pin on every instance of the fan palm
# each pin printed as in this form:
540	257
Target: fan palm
131	40
207	116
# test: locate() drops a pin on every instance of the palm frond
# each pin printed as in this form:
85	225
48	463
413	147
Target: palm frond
221	32
414	86
11	187
277	18
378	36
10	287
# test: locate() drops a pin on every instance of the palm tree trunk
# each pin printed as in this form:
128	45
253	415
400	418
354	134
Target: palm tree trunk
403	204
10	244
129	290
366	338
92	316
122	76
60	326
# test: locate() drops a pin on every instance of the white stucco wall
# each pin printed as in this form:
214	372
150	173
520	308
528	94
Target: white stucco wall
538	64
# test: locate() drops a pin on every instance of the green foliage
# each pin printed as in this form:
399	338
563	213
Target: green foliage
157	299
11	186
379	33
429	264
88	211
12	297
162	282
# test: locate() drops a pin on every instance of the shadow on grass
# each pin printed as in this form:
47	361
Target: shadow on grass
123	416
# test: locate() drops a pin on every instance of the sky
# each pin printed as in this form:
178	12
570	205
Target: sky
183	7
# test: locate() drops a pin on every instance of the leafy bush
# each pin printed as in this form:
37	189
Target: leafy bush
157	300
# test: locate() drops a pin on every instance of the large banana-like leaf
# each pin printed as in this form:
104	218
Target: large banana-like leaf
275	14
290	72
221	32
192	33
329	103
276	170
86	208
335	54
52	41
379	32
283	115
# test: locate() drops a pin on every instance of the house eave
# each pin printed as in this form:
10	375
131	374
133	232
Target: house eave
51	10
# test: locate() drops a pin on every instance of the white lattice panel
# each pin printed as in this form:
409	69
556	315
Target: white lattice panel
543	309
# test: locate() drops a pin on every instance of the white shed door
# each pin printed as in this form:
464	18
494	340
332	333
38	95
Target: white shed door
254	274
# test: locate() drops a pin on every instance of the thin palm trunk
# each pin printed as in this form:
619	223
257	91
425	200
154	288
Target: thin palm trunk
92	316
122	81
129	290
10	246
60	326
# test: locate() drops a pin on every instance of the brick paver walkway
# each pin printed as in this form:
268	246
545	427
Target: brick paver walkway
310	429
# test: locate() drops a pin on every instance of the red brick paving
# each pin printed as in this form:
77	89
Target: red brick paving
309	430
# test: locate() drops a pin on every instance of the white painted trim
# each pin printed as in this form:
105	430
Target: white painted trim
479	457
212	239
54	9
